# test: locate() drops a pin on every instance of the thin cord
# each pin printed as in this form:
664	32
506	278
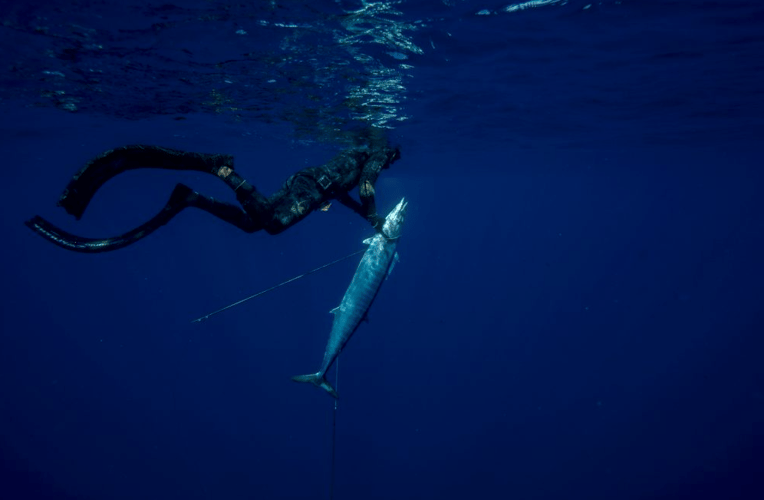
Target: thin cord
334	424
207	316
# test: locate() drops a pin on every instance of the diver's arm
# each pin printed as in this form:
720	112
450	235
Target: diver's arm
379	160
351	203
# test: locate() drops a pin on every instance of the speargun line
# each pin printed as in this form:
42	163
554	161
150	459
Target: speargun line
334	424
207	316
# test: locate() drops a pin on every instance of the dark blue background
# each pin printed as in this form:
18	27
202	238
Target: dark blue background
577	312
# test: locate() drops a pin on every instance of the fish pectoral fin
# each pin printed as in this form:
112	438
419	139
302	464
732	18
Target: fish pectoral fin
335	310
367	241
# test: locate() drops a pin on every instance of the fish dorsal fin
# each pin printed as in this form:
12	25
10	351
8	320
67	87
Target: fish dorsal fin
392	264
367	241
335	310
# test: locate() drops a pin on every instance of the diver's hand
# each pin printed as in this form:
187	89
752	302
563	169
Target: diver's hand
376	222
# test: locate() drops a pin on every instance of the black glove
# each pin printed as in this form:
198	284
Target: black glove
376	222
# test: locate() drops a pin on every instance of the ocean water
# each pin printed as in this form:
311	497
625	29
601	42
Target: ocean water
577	310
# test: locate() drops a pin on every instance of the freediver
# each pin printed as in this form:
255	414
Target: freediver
305	191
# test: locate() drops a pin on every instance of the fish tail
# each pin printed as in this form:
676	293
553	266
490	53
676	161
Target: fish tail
318	380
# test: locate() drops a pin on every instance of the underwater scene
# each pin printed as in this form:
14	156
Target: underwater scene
382	249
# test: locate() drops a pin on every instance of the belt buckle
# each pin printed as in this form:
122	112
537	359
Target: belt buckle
324	182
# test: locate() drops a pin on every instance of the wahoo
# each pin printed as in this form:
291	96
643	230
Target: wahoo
375	266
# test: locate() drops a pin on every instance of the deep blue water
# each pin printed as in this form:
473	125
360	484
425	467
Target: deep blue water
578	308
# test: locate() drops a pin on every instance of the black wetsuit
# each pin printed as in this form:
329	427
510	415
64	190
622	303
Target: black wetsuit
304	192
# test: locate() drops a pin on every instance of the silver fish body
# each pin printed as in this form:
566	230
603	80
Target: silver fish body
375	266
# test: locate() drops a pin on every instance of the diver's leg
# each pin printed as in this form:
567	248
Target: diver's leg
300	195
181	197
225	211
97	171
257	208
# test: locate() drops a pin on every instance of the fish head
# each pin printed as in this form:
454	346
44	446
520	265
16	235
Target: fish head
394	220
